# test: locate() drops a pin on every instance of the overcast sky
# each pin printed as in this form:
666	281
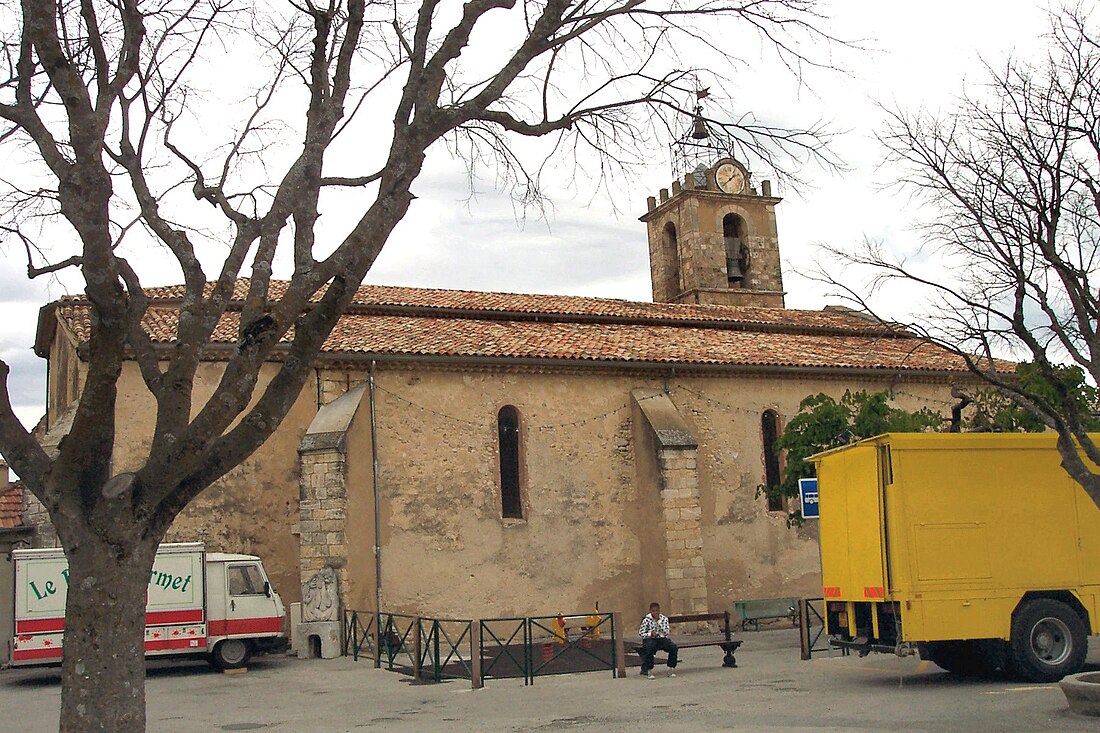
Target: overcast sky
595	246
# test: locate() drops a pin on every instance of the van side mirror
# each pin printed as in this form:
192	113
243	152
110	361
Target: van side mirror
267	588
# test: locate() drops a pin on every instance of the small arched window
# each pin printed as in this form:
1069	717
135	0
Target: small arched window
769	432
511	506
737	251
672	250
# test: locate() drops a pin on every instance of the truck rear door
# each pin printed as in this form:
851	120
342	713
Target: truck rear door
851	524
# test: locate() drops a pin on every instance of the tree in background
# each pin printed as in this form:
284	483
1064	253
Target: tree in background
823	423
1010	183
994	412
128	144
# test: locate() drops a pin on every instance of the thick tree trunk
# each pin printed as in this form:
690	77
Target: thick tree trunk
103	672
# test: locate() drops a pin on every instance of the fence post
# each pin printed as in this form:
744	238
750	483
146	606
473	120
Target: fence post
352	630
376	632
437	670
476	683
417	649
804	627
528	659
620	647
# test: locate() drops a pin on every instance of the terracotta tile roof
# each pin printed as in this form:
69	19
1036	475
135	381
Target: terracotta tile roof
385	298
417	322
628	343
11	506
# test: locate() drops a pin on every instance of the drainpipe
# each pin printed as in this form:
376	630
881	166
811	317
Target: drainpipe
374	482
47	429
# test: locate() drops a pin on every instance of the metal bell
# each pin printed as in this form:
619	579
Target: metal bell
699	130
733	270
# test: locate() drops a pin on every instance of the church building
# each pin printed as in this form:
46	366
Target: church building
470	454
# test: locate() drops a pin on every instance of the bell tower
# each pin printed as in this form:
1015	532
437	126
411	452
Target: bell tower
713	239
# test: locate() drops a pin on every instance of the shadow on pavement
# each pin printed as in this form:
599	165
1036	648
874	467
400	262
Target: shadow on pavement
38	677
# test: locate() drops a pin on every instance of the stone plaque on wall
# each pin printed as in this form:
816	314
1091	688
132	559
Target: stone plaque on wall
320	600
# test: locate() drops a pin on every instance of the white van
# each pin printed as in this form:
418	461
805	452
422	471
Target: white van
215	604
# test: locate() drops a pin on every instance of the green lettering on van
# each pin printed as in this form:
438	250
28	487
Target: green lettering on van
169	581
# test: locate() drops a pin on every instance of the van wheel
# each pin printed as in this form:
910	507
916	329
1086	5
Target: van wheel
231	653
1048	641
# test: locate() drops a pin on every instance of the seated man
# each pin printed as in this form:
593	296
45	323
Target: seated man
654	634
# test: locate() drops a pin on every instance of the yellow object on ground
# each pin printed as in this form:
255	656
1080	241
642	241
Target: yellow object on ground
977	550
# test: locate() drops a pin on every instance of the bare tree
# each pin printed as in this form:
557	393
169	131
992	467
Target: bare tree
111	105
1010	180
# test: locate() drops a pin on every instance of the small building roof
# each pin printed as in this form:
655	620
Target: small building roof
430	324
11	506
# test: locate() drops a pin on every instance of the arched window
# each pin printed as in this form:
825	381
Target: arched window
737	251
769	431
672	252
511	506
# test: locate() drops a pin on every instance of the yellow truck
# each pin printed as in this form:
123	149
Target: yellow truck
975	550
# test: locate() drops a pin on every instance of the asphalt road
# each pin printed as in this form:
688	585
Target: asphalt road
771	690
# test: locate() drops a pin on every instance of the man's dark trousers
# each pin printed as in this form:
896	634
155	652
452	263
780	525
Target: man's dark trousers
651	646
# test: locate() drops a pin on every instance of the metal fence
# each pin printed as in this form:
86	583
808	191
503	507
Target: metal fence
527	647
811	624
535	646
446	649
505	647
359	633
523	646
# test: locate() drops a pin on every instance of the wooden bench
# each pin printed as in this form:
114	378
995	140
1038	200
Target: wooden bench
724	640
766	609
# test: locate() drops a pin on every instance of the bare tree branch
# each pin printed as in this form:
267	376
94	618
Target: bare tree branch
1012	238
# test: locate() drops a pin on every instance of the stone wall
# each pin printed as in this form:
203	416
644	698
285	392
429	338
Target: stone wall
685	568
598	494
604	517
322	511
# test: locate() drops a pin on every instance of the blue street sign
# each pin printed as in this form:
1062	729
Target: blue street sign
807	488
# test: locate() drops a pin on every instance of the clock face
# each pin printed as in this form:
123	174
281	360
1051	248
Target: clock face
729	178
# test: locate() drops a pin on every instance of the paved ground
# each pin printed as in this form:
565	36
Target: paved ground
770	690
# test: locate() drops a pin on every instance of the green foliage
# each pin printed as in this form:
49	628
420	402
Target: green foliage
823	423
997	413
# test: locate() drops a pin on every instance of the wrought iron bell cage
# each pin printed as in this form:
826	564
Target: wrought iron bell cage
699	147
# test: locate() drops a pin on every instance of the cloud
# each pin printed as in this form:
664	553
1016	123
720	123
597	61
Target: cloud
488	247
27	375
16	287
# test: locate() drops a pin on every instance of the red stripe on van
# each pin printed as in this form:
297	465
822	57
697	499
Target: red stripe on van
241	626
155	618
164	618
180	643
39	625
52	652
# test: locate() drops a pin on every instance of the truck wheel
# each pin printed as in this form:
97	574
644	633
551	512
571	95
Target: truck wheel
1048	641
231	653
962	657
